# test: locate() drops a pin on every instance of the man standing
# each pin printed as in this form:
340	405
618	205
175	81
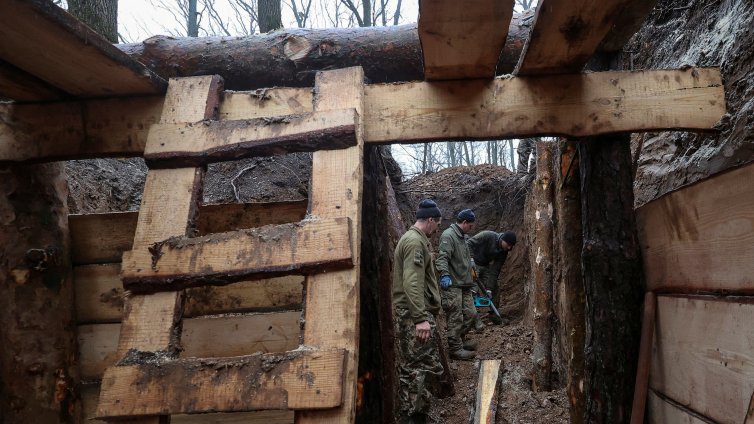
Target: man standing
416	302
454	267
490	250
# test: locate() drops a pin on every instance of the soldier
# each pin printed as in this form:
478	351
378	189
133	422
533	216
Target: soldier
416	302
454	267
490	250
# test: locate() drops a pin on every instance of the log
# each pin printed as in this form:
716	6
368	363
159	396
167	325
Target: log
571	308
38	374
299	379
487	388
542	270
291	57
611	268
221	258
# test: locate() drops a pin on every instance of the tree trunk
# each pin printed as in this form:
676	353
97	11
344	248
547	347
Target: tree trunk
193	25
291	58
570	287
611	268
38	370
99	15
269	15
542	272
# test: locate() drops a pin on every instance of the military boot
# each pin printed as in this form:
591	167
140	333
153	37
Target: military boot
462	355
470	345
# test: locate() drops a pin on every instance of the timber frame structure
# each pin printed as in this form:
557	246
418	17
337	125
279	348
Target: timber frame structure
84	98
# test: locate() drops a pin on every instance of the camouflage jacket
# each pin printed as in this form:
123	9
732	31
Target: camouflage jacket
414	279
454	258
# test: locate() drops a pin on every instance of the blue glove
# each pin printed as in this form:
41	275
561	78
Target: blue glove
445	282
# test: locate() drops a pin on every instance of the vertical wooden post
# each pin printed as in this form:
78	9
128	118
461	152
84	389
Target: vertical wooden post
542	280
570	291
38	368
611	267
645	359
151	323
332	299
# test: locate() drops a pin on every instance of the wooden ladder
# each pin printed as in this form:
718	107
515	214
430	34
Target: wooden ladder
317	380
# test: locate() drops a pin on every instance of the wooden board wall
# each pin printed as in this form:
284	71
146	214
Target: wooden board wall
702	354
699	238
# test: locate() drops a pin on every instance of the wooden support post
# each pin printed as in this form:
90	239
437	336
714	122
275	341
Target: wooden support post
332	299
150	322
611	266
645	359
487	388
570	287
542	269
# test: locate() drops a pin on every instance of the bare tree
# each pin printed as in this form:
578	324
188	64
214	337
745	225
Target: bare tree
99	15
270	15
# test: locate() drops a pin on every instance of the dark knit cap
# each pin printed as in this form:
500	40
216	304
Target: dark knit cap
508	236
466	215
428	209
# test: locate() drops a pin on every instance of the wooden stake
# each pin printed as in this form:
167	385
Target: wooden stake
645	359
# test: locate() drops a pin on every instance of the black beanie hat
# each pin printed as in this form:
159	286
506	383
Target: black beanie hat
466	215
428	209
508	236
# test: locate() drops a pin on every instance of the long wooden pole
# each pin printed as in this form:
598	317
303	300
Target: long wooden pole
645	358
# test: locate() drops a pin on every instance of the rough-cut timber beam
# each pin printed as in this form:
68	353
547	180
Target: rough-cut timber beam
20	86
220	258
195	144
570	105
290	58
566	33
488	385
462	39
300	379
45	41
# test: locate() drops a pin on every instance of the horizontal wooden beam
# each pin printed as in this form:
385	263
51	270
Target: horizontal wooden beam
569	105
300	379
196	144
103	237
702	354
45	41
462	39
217	259
698	239
100	295
90	398
215	336
21	87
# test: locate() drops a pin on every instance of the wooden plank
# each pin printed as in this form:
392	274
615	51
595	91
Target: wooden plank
102	238
265	102
214	336
702	355
664	412
698	239
19	86
632	16
150	321
100	296
90	398
77	130
645	359
179	145
488	384
332	299
309	246
462	39
45	41
566	34
300	379
569	105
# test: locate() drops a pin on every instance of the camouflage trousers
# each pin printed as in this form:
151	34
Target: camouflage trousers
458	304
419	366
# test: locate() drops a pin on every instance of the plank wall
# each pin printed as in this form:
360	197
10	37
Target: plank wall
233	320
696	243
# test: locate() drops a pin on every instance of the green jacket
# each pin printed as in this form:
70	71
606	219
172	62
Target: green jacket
486	250
414	280
454	258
